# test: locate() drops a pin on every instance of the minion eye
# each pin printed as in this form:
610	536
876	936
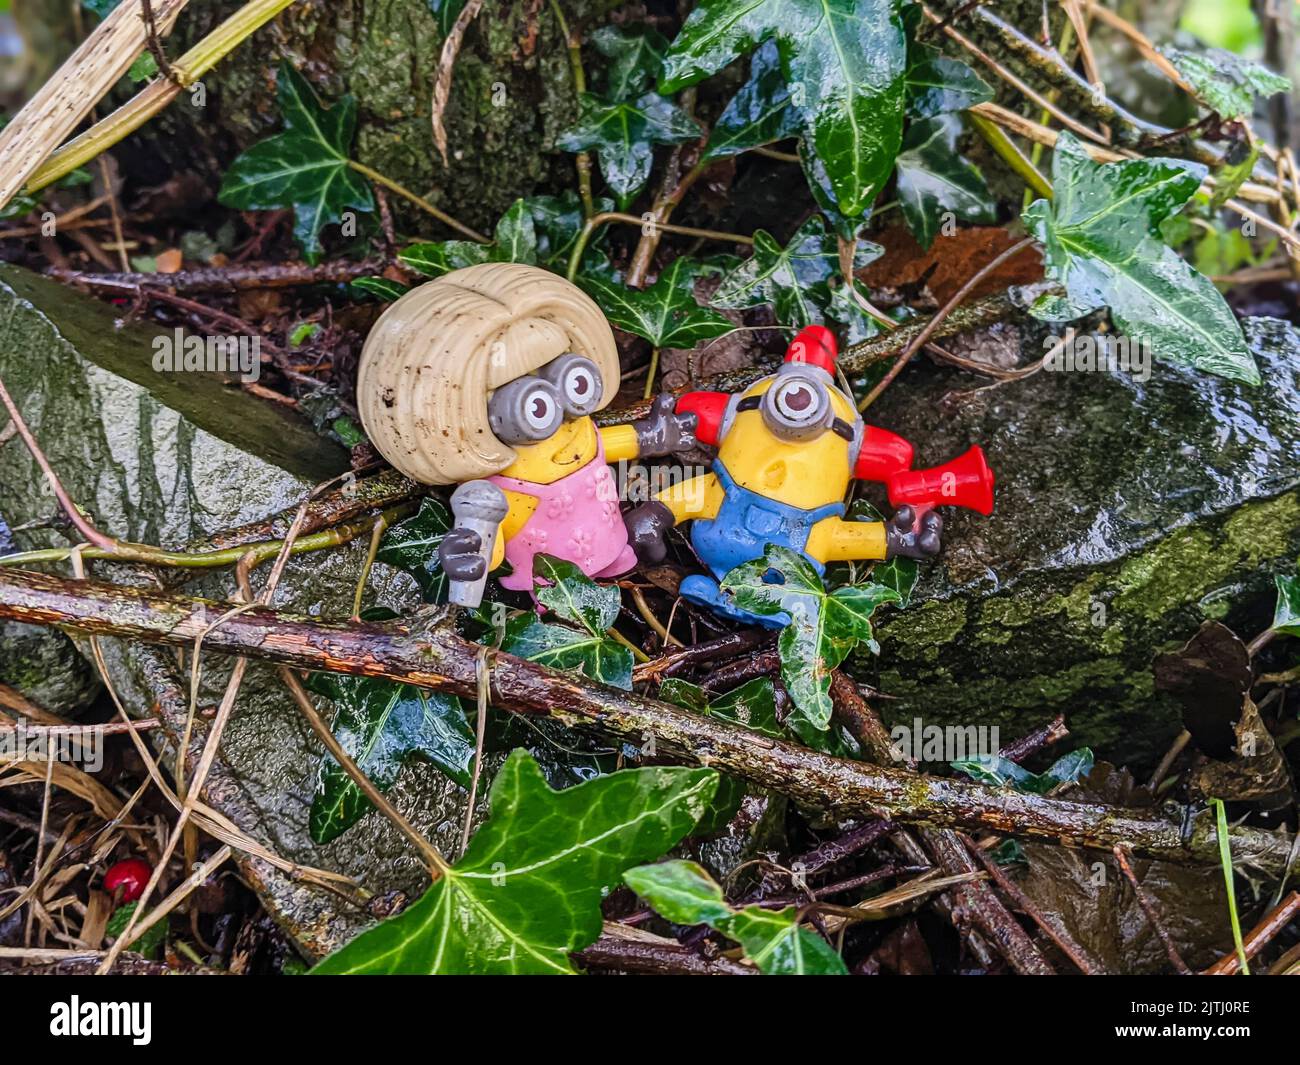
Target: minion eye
578	381
796	407
525	411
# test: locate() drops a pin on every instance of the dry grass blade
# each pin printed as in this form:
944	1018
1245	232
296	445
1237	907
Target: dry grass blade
446	67
62	102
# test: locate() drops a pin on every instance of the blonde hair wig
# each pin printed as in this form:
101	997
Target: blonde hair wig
434	356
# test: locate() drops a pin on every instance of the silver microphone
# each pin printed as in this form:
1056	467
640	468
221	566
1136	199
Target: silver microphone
480	506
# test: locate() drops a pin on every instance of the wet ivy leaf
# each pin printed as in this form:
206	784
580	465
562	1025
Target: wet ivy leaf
528	890
1286	616
933	179
623	136
666	313
823	629
900	574
1228	83
382	287
752	705
557	221
148	944
381	724
733	706
574	597
795	279
758	114
1100	240
685	694
412	545
843	62
937	85
305	167
635	57
1000	772
515	242
683	893
561	647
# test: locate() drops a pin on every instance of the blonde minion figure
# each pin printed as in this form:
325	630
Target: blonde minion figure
487	377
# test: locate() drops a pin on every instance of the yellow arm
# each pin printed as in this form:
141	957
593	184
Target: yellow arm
837	540
620	443
696	497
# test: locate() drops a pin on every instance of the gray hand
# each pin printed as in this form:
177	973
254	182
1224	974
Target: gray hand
664	432
646	526
459	555
903	535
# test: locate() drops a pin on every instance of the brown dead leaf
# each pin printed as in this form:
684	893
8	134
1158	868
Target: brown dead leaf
950	262
169	261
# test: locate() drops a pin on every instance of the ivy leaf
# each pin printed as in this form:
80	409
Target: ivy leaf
937	85
1002	772
758	114
1286	616
752	705
528	890
1100	241
823	628
381	724
515	242
934	178
666	313
900	574
560	647
843	62
574	597
623	136
795	279
305	167
412	545
634	58
1227	83
683	893
382	287
557	221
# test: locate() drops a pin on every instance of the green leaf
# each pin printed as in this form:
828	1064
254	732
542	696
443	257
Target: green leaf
823	627
560	647
515	242
558	221
680	892
752	705
666	313
412	545
149	942
528	890
382	287
623	136
937	85
381	724
933	178
683	893
900	574
305	167
683	693
573	596
144	68
1002	772
634	59
794	280
843	62
1100	241
1286	616
1227	83
446	12
758	114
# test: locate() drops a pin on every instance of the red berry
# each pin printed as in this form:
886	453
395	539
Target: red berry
130	875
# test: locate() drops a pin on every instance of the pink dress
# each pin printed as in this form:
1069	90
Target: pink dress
576	518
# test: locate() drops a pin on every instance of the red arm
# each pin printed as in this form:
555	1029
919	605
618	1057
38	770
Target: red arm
882	455
709	409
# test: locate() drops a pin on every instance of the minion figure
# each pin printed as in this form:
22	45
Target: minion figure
788	446
488	376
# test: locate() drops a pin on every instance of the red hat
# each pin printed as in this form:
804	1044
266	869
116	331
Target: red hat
814	345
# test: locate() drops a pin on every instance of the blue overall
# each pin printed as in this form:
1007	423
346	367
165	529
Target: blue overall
744	525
